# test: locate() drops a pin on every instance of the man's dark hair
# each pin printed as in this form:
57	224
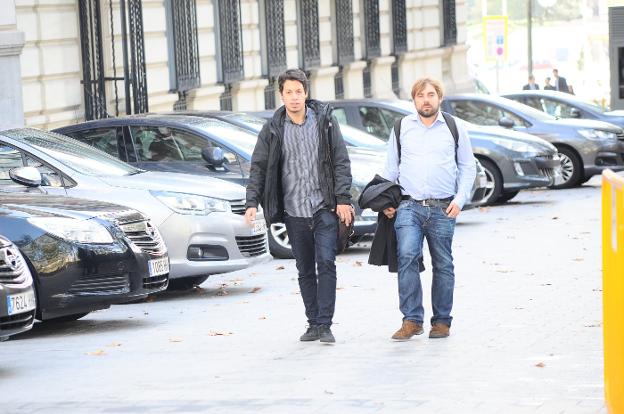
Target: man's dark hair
295	75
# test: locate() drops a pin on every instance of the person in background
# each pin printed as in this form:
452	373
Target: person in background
531	86
561	84
547	85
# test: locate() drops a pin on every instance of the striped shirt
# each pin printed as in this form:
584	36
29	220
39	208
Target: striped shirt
300	175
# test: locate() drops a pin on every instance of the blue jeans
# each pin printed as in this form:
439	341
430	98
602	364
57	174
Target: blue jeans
313	242
413	223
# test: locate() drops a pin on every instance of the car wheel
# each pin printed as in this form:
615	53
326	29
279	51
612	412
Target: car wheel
506	196
186	283
279	243
494	184
67	318
571	167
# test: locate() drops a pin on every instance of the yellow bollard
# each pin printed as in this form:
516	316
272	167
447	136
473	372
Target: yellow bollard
613	289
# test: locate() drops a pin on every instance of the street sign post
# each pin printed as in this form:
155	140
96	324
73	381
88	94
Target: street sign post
495	41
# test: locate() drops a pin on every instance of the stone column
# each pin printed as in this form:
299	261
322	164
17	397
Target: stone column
381	77
11	44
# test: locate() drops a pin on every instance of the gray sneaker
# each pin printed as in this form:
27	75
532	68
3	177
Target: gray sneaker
325	334
312	334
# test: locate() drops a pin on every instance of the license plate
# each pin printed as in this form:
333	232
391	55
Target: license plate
158	267
21	302
259	227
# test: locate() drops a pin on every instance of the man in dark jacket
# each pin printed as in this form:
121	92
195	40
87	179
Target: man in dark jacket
301	175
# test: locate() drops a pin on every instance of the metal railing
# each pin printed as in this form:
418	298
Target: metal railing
613	289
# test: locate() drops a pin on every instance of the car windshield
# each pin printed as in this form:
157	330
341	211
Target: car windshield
521	109
252	122
235	136
360	139
76	155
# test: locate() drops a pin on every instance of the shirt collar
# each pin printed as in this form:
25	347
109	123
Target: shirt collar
416	117
308	114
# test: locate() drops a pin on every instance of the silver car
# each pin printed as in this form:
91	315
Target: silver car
200	218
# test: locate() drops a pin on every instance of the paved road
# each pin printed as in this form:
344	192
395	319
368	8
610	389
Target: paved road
527	334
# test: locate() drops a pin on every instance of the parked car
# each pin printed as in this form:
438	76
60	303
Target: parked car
512	161
83	255
205	145
200	218
565	105
586	147
17	294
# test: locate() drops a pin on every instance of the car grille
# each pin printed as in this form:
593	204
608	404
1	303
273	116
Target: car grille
146	236
101	284
238	207
620	136
547	172
18	321
250	246
155	282
12	266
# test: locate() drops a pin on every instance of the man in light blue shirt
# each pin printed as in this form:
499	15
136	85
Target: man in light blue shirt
437	177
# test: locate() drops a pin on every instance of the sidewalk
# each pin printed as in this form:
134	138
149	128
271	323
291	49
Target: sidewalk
527	335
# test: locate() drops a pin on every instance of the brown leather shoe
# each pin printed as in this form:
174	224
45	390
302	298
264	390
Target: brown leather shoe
408	329
439	330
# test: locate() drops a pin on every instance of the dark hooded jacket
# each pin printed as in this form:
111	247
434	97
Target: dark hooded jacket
378	195
265	178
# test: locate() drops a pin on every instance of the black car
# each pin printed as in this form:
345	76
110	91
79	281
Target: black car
83	255
17	295
206	145
565	105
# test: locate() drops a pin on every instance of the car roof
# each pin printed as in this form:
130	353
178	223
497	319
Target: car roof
140	119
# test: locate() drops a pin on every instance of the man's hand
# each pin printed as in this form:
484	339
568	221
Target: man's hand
389	212
453	210
345	213
250	215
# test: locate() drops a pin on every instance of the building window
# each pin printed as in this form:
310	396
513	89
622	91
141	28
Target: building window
339	84
229	47
366	78
450	22
273	45
370	28
308	31
342	32
399	27
133	54
183	48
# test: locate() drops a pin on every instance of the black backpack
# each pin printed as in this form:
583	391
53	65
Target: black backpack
450	122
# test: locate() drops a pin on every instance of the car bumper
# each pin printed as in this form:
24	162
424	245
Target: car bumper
607	156
539	171
210	244
11	322
76	278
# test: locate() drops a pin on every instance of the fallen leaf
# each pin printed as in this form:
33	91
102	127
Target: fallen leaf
503	271
357	263
262	318
255	289
280	268
596	325
329	392
114	344
175	339
484	209
555	218
339	288
222	291
540	365
99	352
219	333
578	259
150	298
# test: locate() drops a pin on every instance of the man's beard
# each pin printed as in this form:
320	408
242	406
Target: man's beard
428	113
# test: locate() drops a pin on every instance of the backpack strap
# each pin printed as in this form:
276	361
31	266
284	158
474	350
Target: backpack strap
397	135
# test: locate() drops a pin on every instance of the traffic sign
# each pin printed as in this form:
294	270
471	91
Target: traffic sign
495	37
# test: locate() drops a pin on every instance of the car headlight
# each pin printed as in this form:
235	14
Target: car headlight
597	134
81	231
191	203
517	146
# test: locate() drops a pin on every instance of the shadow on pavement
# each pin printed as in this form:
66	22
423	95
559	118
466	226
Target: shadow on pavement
204	292
80	327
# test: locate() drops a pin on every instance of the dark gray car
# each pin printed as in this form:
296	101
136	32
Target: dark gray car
512	161
565	105
586	147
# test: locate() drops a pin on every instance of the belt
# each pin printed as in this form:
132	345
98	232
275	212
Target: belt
430	202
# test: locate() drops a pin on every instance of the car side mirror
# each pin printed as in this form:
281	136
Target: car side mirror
506	122
575	113
28	176
213	156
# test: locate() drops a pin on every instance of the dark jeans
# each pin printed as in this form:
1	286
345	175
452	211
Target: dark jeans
413	223
313	242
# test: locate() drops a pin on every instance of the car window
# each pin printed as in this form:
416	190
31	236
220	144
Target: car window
391	117
341	115
49	176
482	113
9	158
105	139
558	108
532	101
374	121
